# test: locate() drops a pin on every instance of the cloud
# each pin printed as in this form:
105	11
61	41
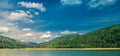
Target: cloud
46	35
25	34
47	40
17	15
101	3
28	35
22	40
67	32
20	15
10	24
36	13
33	5
48	32
26	29
71	2
4	29
10	29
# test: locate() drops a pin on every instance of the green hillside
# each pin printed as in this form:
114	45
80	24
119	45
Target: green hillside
108	37
6	42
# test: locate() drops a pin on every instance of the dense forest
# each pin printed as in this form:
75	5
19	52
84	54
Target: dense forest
6	42
108	37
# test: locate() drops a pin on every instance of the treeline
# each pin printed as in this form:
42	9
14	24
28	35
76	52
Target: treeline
6	42
108	37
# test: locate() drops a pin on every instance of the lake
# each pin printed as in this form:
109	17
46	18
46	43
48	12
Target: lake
57	53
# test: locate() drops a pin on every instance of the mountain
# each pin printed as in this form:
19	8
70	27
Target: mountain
6	42
32	43
108	37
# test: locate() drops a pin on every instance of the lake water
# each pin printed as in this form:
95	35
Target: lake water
57	53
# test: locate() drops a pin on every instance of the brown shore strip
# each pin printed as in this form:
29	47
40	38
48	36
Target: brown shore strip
64	49
71	49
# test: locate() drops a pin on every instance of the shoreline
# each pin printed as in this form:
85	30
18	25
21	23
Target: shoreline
72	48
64	49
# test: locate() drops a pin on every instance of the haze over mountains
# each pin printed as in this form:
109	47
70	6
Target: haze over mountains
108	37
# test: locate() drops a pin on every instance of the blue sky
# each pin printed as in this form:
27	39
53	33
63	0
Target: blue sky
43	20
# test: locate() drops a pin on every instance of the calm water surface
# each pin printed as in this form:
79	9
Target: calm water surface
57	53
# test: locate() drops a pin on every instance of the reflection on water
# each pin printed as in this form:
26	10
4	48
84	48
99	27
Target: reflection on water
57	53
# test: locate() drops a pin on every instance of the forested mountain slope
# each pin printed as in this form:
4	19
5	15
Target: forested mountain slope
108	37
6	42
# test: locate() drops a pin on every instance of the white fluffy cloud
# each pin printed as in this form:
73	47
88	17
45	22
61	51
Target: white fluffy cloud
4	29
20	15
28	35
101	3
26	29
10	24
46	35
25	34
71	2
11	29
68	32
33	5
17	15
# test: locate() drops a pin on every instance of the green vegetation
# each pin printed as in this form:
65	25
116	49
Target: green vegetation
108	37
6	42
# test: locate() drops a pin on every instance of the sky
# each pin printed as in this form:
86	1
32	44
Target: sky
43	20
